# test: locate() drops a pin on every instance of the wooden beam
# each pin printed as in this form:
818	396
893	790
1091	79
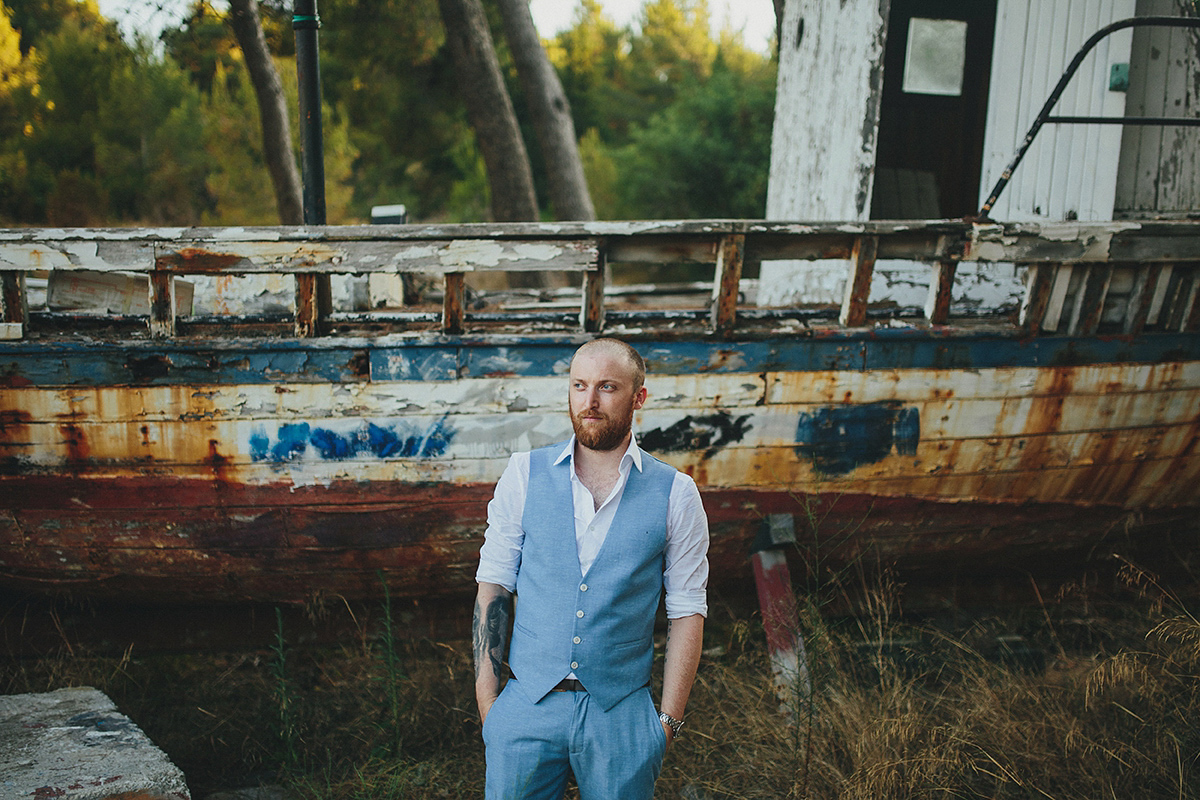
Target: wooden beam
1145	286
453	305
1089	300
858	287
1038	285
726	283
941	291
1052	317
308	313
12	297
591	313
1185	299
14	309
162	304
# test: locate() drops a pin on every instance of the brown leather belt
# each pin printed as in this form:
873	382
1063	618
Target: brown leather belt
569	685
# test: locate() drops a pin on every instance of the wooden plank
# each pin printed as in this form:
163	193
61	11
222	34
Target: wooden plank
1090	305
726	283
1165	279
1039	283
1145	285
13	300
591	314
1058	296
941	291
162	304
323	255
308	318
454	303
1191	317
1183	300
858	287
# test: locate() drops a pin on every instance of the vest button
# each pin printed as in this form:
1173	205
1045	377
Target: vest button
583	587
579	613
574	665
577	640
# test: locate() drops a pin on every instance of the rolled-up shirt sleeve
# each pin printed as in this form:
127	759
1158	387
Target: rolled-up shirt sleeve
685	578
500	555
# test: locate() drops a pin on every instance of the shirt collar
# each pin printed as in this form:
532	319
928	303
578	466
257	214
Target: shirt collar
633	452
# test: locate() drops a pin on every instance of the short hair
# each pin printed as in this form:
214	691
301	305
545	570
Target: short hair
620	349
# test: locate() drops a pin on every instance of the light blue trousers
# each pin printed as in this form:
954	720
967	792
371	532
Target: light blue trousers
614	755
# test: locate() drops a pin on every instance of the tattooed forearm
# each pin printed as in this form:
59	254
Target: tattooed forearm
490	632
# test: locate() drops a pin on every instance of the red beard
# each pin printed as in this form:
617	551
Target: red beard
604	433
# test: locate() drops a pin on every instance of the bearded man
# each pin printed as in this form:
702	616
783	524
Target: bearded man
587	534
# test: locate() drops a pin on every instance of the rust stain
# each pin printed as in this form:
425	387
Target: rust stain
360	364
14	421
196	259
78	449
216	462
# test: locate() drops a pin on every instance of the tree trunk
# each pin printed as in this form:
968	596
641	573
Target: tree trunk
551	113
272	109
490	110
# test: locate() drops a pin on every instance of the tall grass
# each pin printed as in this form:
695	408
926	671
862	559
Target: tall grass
900	708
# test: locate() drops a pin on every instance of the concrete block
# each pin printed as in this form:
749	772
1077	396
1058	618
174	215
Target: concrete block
73	744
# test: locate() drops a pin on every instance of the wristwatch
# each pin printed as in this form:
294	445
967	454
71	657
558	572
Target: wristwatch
671	722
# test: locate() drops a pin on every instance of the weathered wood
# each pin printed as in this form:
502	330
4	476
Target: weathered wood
308	314
858	287
726	284
823	142
1159	170
591	313
941	292
1089	301
1058	297
162	304
454	303
1184	299
1137	309
1038	282
1191	318
14	303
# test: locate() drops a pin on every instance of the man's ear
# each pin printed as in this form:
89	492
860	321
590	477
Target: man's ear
639	398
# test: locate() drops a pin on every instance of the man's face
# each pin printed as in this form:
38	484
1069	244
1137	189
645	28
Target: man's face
602	399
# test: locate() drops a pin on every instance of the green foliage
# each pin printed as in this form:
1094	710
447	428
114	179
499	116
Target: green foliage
706	155
96	130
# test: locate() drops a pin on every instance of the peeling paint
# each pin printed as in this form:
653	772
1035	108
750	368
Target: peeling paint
398	440
838	439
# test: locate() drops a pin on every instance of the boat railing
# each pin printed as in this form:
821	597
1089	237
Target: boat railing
1079	278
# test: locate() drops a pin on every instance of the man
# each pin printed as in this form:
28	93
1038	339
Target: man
587	534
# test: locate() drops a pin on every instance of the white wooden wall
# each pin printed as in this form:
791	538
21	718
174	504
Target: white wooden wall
1070	172
1160	167
823	139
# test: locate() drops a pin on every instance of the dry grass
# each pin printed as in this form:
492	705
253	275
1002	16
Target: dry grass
923	710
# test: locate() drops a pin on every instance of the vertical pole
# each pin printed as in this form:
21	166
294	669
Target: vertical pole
308	74
313	293
781	619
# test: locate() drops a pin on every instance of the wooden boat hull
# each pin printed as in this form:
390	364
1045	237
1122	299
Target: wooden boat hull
282	470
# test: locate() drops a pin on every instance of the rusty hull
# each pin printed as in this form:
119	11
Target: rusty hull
283	470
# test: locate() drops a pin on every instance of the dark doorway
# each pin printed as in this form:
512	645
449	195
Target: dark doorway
930	146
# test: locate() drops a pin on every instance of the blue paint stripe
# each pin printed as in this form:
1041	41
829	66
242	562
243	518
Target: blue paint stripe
288	361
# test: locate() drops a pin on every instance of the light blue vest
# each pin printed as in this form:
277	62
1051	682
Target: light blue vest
599	626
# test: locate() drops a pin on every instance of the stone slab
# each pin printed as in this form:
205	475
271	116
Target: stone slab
73	744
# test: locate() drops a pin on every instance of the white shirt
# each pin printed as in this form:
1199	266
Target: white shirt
685	577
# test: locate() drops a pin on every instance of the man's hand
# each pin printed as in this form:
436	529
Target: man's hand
670	734
489	635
